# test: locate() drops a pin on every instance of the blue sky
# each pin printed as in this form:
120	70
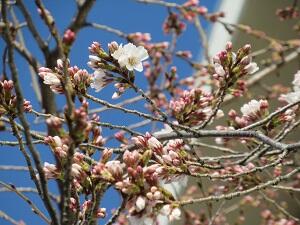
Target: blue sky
126	15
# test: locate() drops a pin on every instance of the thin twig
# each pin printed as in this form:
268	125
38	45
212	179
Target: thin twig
35	209
277	206
241	193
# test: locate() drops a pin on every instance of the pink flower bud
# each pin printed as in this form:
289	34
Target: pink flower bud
113	46
106	154
229	46
154	144
69	37
95	47
8	85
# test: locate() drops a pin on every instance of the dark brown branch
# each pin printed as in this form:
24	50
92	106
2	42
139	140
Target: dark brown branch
80	17
20	114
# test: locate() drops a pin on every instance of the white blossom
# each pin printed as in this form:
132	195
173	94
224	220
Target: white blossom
250	108
251	68
140	203
175	214
219	69
291	97
220	114
76	170
99	80
172	213
154	143
51	79
50	170
57	141
130	56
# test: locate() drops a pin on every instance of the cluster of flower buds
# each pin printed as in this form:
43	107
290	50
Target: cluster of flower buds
173	23
8	100
158	52
97	138
80	78
289	12
86	128
139	38
288	115
105	170
236	169
230	67
139	179
273	219
59	147
82	125
192	107
135	182
191	9
170	159
87	206
173	153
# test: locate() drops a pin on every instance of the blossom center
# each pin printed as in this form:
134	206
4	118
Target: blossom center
132	61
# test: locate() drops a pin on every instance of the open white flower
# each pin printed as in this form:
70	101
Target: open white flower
175	214
100	80
291	97
172	213
51	79
251	68
130	56
250	108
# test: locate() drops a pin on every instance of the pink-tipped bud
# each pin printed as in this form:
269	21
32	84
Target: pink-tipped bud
95	47
113	46
69	37
229	46
8	85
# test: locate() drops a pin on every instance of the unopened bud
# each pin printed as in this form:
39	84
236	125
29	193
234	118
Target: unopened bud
113	46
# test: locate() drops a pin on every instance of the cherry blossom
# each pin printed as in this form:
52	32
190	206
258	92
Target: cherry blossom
130	56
